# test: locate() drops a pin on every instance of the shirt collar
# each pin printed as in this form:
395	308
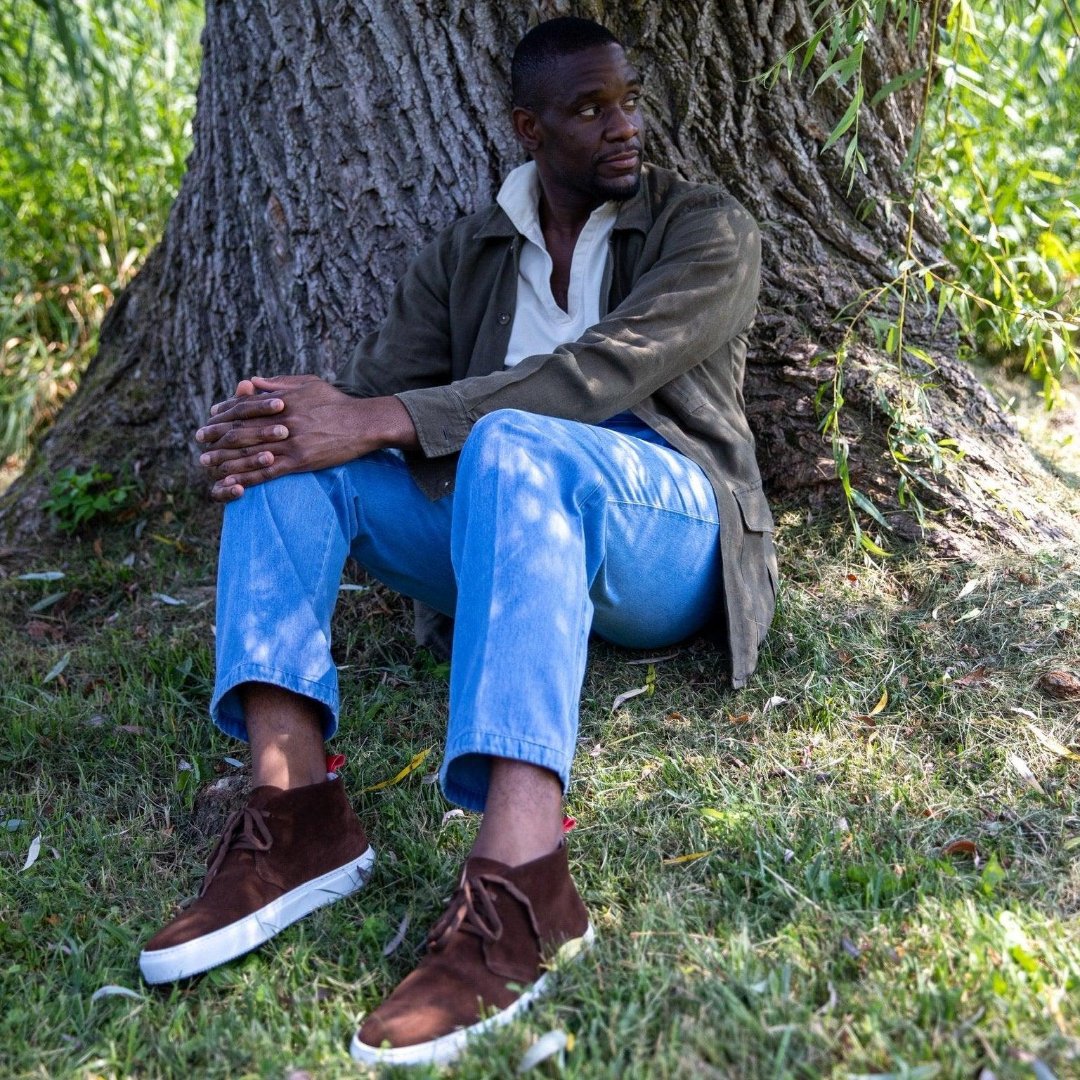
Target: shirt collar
523	184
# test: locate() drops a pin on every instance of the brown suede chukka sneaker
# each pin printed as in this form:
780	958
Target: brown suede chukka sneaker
284	854
491	954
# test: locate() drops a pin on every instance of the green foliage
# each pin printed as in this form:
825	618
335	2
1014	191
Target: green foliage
995	148
79	498
95	105
1002	162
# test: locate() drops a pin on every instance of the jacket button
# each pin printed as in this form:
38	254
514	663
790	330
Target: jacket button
504	318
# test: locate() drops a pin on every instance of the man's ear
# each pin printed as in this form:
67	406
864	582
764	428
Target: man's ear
526	128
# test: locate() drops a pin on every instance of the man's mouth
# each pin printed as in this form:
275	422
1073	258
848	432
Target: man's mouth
620	157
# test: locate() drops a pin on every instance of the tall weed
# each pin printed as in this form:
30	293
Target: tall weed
96	101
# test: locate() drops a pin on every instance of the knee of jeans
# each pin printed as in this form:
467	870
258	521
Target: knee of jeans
523	444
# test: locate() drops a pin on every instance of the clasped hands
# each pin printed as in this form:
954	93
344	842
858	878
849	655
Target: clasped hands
293	423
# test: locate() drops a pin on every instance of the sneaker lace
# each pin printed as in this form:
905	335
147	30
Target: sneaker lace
473	911
245	830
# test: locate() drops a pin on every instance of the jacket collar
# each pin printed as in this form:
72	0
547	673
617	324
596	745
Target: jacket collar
633	214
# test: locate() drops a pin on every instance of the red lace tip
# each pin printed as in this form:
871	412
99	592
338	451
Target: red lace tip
335	763
567	824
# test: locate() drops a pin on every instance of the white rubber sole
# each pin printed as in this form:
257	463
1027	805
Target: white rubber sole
201	954
446	1048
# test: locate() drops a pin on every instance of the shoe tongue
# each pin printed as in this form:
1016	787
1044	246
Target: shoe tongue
261	797
478	864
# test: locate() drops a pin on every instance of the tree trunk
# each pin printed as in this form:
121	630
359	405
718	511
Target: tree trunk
334	137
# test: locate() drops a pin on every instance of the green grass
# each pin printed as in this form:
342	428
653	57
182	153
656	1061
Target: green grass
826	932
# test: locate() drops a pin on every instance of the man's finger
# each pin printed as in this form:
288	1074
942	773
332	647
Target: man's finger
225	440
222	493
229	434
244	408
237	462
246	480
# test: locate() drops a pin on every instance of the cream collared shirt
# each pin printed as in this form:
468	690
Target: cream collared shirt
540	325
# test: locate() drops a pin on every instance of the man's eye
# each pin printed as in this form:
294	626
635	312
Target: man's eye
631	102
590	112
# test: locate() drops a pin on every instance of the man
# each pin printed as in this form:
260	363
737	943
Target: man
545	438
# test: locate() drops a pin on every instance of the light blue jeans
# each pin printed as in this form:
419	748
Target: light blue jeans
556	528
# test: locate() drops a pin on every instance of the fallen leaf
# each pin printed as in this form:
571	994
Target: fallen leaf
57	668
692	857
13	823
850	948
236	763
42	575
1023	712
1052	744
33	853
548	1045
974	613
742	718
348	587
398	938
1023	770
1063	685
975	677
788	855
415	763
772	703
961	847
114	991
166	599
131	729
853	578
450	815
46	602
568	824
882	702
844	656
968	589
712	814
625	697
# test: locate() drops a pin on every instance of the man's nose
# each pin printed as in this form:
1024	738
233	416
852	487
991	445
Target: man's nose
622	125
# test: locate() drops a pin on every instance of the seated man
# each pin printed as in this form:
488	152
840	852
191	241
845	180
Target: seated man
545	439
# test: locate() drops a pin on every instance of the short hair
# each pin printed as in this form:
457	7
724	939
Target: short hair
544	44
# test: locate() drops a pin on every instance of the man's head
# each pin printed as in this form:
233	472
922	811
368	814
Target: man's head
575	109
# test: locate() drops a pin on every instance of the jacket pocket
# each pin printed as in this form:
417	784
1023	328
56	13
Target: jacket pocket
754	508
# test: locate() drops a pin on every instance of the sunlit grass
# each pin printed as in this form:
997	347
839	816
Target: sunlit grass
829	925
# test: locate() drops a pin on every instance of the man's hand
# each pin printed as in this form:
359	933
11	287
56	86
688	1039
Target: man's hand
294	423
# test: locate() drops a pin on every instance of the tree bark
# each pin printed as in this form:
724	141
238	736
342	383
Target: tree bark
333	137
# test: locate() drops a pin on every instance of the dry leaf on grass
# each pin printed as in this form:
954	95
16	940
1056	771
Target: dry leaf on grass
692	857
882	702
33	853
115	991
624	697
548	1045
961	847
1023	770
1052	744
975	677
1063	685
398	938
414	764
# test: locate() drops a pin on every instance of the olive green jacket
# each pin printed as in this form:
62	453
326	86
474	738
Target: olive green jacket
679	294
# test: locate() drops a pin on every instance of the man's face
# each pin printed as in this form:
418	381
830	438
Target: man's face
586	137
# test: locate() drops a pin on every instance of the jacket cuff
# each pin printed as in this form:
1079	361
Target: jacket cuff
439	416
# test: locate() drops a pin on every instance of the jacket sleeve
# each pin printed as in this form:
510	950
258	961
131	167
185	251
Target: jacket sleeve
700	292
412	348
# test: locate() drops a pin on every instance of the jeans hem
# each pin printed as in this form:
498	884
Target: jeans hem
466	783
228	717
